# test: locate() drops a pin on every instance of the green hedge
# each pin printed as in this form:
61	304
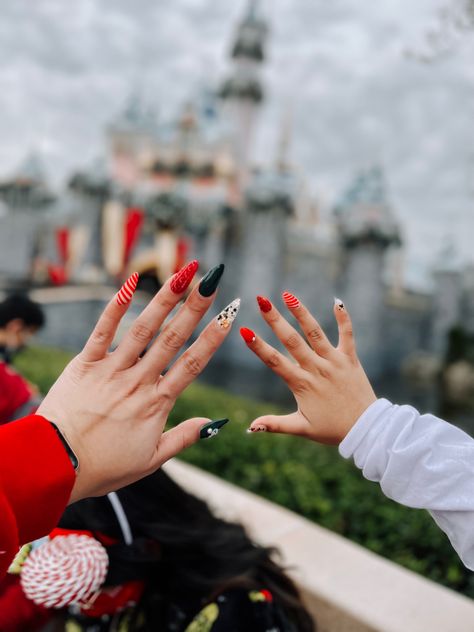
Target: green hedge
309	479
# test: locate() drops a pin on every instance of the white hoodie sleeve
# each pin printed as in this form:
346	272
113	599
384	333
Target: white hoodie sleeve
420	461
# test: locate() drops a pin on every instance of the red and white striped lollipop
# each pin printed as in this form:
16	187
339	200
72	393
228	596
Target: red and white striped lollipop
65	570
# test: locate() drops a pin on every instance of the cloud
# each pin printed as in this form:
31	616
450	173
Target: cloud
356	96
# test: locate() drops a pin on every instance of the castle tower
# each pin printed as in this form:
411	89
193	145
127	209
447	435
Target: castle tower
242	91
367	229
447	297
256	261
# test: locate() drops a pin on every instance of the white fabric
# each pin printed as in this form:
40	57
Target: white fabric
420	461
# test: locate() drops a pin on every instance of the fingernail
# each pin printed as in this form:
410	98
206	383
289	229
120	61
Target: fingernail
290	300
247	334
210	281
264	304
338	303
183	277
212	428
228	314
126	292
257	429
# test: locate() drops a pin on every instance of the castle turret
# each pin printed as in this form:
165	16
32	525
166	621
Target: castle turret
242	91
367	229
447	297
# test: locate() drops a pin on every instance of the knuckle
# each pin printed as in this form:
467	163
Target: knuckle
325	373
315	334
172	339
293	341
192	365
272	360
302	385
100	335
141	333
163	401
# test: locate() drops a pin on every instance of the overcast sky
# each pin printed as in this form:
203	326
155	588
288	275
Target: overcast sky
356	96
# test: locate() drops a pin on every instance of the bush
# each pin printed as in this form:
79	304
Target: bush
309	479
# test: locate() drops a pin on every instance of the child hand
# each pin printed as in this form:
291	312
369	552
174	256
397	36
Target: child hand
329	384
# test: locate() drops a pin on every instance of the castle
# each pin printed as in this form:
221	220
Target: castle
171	190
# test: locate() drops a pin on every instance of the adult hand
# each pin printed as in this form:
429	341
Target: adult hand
329	384
112	406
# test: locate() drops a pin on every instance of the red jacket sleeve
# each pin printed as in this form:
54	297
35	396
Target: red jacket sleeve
36	479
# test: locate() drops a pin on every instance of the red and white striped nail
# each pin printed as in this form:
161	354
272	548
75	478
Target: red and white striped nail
181	280
290	301
126	292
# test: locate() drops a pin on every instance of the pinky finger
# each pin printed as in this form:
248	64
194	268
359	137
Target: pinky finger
346	332
104	332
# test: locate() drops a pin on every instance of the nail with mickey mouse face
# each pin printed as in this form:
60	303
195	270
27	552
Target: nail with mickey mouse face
212	428
228	314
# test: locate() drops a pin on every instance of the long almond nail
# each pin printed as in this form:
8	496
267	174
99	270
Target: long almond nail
181	280
247	334
210	281
228	314
290	301
264	304
212	428
126	292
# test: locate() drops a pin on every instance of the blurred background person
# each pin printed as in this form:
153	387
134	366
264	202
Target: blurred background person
20	319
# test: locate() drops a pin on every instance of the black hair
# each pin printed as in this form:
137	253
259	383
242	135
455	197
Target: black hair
21	307
181	548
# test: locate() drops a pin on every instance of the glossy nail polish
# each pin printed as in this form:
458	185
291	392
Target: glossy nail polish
290	301
247	334
264	304
212	428
338	303
228	314
210	281
126	292
181	280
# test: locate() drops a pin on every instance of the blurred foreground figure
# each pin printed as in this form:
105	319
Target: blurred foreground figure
172	566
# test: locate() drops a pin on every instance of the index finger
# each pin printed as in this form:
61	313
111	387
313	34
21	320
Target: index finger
144	328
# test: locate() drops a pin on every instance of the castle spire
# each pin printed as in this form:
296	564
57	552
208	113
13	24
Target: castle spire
242	91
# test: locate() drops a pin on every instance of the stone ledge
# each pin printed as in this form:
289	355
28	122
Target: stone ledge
346	587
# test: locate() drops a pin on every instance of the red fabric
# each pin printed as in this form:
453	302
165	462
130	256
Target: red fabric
114	599
14	392
36	479
133	226
17	613
182	250
62	242
57	274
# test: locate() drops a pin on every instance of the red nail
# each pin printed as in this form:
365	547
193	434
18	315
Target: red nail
247	334
183	277
290	300
126	292
264	304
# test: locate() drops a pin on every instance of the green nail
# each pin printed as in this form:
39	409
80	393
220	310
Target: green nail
212	428
209	283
